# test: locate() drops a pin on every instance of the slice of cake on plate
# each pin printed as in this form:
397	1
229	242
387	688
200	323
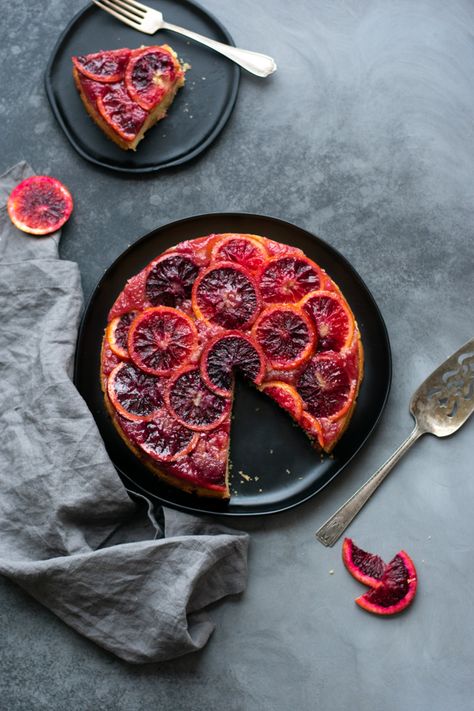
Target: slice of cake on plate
127	91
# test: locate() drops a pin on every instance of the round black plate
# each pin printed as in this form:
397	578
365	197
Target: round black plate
198	114
264	443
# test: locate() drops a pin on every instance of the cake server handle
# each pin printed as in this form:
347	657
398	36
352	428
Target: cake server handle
335	526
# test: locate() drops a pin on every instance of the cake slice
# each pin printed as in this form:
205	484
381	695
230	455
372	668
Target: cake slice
127	91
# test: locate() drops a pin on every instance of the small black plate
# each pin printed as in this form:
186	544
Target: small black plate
198	114
264	441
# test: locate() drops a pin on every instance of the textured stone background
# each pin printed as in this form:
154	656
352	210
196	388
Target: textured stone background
364	136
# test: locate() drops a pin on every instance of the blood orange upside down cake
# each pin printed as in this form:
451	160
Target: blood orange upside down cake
209	308
127	91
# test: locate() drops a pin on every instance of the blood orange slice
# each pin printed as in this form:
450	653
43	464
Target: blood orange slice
286	336
226	294
193	404
39	205
170	280
105	67
227	353
365	567
207	463
288	279
161	339
120	112
117	333
244	250
325	386
333	320
134	394
396	590
312	428
149	72
286	396
163	438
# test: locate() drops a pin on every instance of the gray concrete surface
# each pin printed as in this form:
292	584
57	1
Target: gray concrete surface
364	136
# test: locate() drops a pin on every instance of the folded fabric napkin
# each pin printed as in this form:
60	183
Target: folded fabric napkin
69	533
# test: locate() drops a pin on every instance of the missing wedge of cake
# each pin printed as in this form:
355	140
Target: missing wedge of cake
127	91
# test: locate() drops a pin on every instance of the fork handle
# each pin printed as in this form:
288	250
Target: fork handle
330	531
259	64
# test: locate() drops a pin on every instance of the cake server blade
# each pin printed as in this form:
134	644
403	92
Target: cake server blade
440	406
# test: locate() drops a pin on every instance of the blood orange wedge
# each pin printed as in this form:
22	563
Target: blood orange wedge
162	438
147	75
333	320
226	294
325	386
170	280
39	205
396	590
312	428
121	113
134	394
105	67
207	463
227	353
241	249
286	396
161	339
288	279
286	336
117	333
365	567
194	404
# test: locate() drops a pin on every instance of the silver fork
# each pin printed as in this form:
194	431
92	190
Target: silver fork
146	19
440	406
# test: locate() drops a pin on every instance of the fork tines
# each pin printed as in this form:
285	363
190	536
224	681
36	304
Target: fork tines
128	11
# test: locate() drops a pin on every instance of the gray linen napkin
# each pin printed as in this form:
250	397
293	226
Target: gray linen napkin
69	533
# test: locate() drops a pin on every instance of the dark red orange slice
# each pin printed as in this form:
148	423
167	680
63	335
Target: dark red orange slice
134	394
367	568
105	67
325	386
170	280
117	333
148	74
286	336
312	428
207	463
161	339
396	590
227	295
241	249
333	320
163	438
39	205
288	279
286	396
193	404
227	353
121	113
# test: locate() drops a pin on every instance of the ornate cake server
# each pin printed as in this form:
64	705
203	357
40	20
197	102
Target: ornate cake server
440	406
